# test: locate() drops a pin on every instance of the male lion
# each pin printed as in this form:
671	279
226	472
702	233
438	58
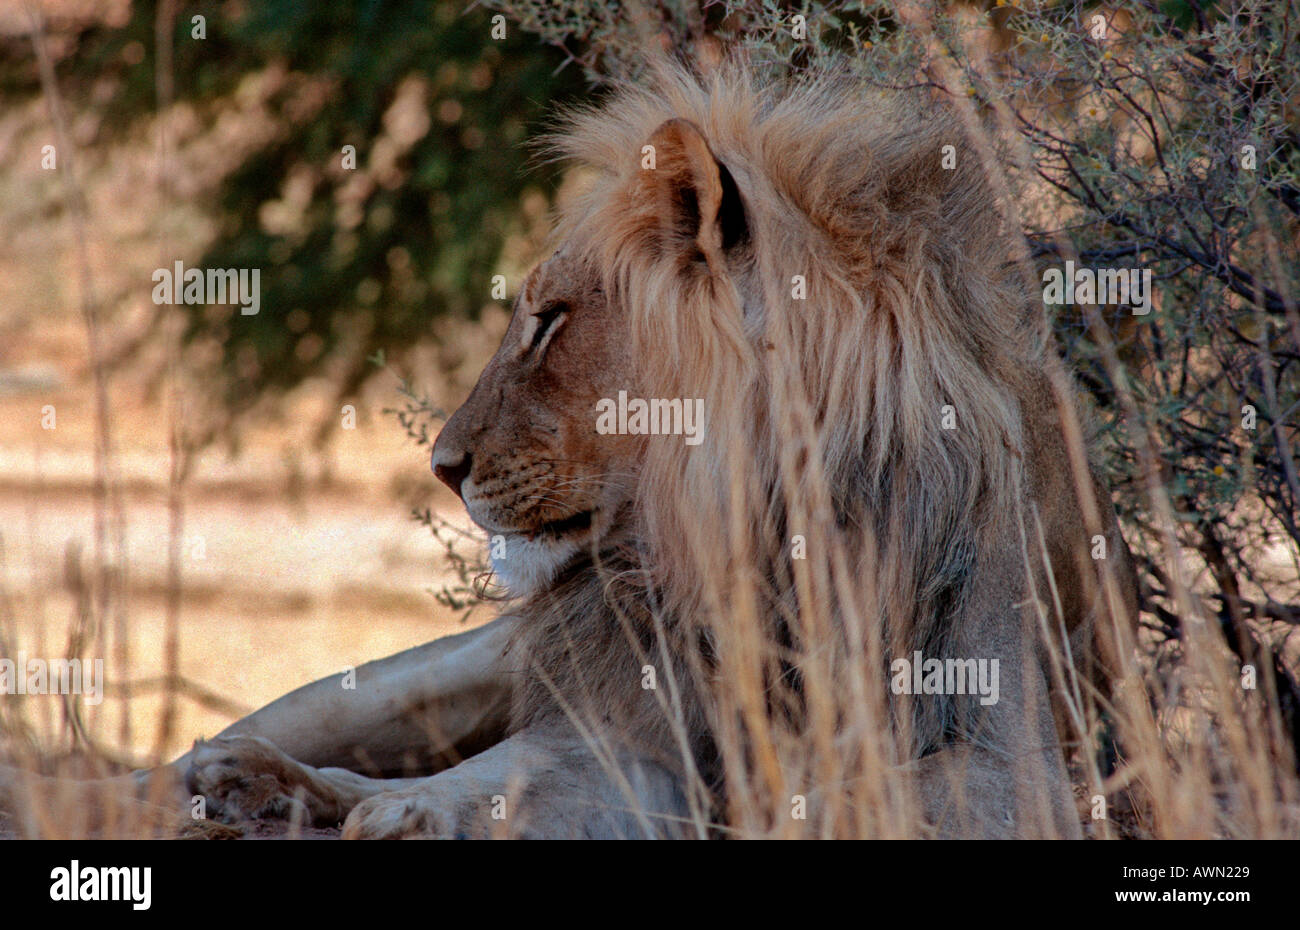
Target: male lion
889	465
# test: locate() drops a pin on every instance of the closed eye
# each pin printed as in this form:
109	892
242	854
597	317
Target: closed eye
547	321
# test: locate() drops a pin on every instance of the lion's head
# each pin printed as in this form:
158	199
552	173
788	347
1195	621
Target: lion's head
765	253
523	452
526	452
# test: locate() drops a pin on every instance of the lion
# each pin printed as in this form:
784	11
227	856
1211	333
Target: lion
889	469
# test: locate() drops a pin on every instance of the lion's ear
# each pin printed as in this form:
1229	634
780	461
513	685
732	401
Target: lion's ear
692	195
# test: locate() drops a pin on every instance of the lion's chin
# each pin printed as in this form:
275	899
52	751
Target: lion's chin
526	566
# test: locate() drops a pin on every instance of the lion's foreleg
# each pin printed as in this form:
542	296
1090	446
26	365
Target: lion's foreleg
423	708
249	778
445	699
544	782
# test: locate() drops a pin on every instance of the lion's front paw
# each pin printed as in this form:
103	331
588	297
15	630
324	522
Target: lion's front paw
416	813
248	778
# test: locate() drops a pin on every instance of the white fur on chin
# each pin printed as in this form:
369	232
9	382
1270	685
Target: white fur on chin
529	565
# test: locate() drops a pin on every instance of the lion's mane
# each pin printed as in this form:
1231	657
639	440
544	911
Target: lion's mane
824	415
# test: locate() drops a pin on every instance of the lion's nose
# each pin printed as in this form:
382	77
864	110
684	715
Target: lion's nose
451	469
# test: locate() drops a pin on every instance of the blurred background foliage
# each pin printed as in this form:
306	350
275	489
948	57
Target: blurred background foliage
352	260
